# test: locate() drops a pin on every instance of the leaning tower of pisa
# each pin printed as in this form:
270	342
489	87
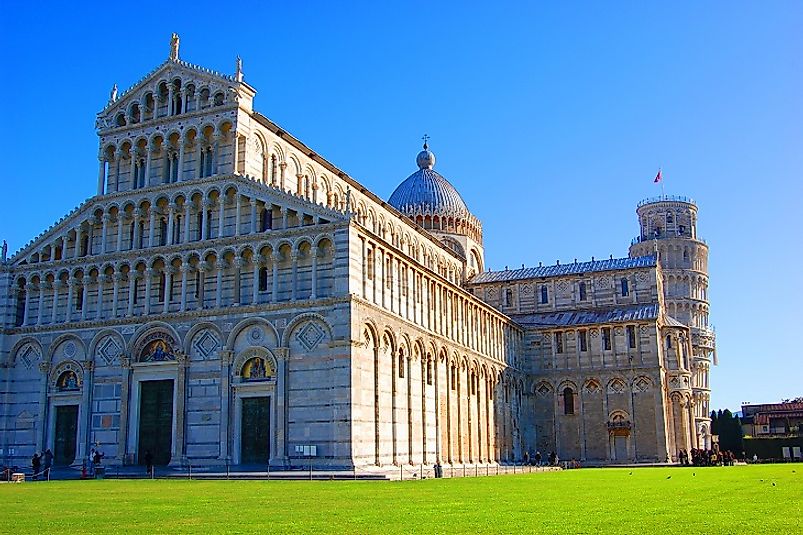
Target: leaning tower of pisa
669	228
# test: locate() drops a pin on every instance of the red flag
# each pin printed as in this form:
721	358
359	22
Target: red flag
657	177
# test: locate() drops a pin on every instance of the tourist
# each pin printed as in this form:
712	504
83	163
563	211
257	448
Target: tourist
91	462
36	464
149	462
537	458
48	455
97	459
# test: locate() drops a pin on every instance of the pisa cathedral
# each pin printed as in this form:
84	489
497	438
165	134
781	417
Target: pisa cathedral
231	297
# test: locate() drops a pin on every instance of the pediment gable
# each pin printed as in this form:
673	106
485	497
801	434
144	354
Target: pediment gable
136	104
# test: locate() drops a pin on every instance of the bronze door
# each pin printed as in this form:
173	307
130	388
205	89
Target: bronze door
66	434
255	434
156	421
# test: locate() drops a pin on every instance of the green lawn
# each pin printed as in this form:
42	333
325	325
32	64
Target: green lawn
731	500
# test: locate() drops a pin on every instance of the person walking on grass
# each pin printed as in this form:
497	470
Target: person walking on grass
149	463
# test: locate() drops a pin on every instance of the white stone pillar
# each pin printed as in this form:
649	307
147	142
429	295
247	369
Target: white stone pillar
104	232
117	277
152	224
170	222
132	173
101	174
64	243
285	217
54	313
187	214
274	257
120	222
84	297
149	273
238	265
41	302
181	150
70	295
221	218
132	287
185	269
168	271
204	217
294	275
237	204
256	261
26	313
101	283
137	231
220	265
314	253
253	215
148	157
225	393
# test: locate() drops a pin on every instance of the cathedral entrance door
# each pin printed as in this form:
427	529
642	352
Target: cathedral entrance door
156	421
620	447
255	430
66	433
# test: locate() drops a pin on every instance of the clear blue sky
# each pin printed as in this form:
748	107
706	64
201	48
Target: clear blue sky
550	120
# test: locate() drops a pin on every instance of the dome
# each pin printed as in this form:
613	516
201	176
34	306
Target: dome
427	192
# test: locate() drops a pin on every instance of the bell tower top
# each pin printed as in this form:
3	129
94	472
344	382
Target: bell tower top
174	42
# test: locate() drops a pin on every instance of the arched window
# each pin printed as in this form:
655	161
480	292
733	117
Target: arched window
401	365
20	305
583	294
429	372
625	287
508	298
544	295
161	297
668	341
263	279
568	401
79	298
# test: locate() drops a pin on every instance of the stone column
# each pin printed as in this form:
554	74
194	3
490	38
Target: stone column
53	313
117	277
84	296
294	276
220	265
221	218
314	253
85	426
101	174
41	436
237	204
29	287
179	453
274	257
70	294
168	271
216	152
104	232
148	156
185	269
257	261
132	173
253	215
225	397
132	286
152	213
122	435
282	390
149	273
137	230
39	312
187	214
171	211
238	265
64	243
204	216
181	150
120	222
101	281
285	217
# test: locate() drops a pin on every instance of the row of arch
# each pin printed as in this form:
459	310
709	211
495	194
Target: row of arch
432	403
251	274
168	98
168	219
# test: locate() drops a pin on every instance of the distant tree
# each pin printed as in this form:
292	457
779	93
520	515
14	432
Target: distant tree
714	423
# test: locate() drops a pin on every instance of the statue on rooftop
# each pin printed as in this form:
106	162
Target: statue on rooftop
174	42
